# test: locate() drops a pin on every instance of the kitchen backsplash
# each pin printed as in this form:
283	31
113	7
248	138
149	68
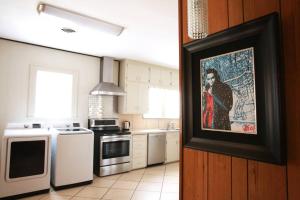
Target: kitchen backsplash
103	107
138	122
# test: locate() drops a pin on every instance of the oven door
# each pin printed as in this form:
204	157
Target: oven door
115	149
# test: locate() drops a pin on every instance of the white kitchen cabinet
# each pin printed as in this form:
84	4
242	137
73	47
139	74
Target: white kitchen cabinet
163	77
132	97
136	71
155	78
175	79
143	98
134	79
139	151
136	99
172	147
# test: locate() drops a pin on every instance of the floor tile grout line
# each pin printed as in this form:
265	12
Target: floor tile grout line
49	193
162	185
108	189
79	191
137	184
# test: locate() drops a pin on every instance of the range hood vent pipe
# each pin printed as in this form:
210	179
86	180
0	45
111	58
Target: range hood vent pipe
106	85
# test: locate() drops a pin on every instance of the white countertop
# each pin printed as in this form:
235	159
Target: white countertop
146	131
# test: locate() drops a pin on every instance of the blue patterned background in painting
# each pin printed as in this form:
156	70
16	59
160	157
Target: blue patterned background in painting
236	69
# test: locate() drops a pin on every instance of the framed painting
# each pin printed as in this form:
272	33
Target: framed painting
232	84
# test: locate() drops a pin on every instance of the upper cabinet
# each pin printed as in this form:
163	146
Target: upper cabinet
166	78
136	99
135	71
155	77
175	79
136	78
163	77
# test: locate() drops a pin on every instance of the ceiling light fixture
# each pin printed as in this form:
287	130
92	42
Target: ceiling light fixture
68	30
80	20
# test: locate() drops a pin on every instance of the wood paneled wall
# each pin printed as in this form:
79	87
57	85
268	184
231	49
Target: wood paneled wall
210	176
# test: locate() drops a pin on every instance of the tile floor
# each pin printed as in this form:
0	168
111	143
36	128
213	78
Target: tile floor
153	183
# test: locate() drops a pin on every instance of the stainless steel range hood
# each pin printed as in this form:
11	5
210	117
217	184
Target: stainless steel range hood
106	85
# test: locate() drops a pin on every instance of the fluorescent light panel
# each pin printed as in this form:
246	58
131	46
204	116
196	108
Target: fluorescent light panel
81	20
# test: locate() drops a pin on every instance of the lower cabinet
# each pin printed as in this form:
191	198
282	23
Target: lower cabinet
172	147
139	151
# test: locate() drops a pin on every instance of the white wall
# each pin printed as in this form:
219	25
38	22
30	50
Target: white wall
15	61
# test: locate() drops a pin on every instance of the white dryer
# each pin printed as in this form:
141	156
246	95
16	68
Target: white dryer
72	156
25	160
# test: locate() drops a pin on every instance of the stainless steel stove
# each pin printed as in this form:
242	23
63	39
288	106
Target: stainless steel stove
112	147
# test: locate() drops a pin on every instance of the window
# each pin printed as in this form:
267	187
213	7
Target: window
171	104
163	103
53	94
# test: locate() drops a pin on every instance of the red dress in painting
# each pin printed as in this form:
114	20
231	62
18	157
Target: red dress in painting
208	111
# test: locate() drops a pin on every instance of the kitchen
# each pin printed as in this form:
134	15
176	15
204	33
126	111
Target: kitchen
48	71
69	78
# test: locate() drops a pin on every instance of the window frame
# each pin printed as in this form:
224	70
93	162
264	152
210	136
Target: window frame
32	90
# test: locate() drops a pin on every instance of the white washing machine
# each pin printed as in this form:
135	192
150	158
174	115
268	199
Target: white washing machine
72	156
25	160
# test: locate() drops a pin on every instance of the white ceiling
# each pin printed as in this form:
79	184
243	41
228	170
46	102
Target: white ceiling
150	35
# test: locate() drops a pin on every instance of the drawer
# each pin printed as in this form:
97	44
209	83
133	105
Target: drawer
139	139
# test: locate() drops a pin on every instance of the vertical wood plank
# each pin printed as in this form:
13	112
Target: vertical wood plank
188	174
217	15
194	178
200	169
239	179
257	8
205	196
290	17
235	12
186	38
266	181
219	177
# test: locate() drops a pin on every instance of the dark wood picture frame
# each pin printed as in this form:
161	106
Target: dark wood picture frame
269	144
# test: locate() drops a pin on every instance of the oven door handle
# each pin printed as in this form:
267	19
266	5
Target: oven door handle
115	140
